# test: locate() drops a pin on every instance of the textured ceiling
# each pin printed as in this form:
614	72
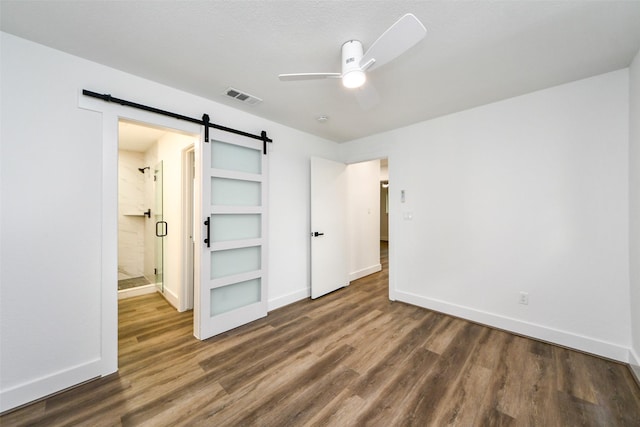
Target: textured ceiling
475	52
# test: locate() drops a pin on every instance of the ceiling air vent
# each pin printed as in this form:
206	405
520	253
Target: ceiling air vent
242	96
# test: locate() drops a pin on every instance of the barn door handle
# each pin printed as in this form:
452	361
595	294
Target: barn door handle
207	222
166	228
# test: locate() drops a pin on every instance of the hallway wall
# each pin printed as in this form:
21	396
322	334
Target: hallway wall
363	218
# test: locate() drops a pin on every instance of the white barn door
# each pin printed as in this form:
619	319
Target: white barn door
231	254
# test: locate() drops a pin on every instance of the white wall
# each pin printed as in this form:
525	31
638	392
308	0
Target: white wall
55	281
528	194
50	251
290	215
363	218
634	209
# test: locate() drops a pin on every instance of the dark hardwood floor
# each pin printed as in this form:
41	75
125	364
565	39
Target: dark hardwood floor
349	358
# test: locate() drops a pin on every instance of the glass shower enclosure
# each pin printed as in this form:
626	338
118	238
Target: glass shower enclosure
161	228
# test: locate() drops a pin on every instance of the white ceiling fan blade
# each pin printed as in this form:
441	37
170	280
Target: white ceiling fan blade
398	38
308	76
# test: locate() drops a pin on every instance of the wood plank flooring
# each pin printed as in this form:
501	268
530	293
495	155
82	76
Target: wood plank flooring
351	358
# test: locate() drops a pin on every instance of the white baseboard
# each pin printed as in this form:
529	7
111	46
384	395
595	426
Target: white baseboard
137	291
634	363
288	299
555	336
172	298
301	294
364	272
41	387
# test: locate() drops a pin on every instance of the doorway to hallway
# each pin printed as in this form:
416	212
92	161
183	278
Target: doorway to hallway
349	219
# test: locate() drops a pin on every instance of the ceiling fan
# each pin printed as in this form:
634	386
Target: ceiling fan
398	38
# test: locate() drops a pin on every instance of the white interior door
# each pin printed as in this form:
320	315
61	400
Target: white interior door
231	261
328	226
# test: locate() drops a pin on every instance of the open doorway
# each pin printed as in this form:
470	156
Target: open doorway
346	217
368	223
384	210
369	220
155	206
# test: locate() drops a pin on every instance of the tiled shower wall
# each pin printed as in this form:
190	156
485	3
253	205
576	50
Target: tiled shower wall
131	225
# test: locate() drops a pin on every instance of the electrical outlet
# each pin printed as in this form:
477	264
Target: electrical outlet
524	298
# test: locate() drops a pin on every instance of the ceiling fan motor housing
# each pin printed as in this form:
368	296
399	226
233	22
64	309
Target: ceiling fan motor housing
352	74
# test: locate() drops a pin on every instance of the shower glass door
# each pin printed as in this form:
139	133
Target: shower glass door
160	228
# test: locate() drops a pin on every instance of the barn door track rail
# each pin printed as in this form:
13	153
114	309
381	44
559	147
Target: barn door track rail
203	122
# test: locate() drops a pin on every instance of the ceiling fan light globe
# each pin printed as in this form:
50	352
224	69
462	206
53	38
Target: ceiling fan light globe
354	79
